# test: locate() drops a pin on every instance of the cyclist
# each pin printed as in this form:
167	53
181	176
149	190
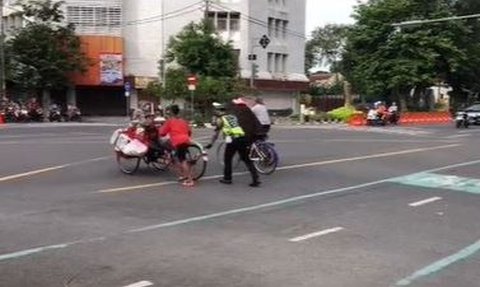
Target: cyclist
236	141
247	120
261	112
180	138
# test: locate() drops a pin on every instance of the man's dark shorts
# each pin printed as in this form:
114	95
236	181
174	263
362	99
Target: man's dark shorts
181	152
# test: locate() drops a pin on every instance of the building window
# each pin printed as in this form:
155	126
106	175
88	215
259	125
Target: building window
270	63
277	28
284	29
277	63
225	21
284	63
83	16
234	21
222	20
271	23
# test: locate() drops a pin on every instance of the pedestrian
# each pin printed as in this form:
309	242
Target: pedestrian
261	112
180	138
236	141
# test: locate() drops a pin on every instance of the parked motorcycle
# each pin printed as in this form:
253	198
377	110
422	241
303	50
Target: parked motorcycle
35	114
73	114
54	113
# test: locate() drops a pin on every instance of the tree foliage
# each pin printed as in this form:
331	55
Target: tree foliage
44	53
198	50
325	46
381	61
466	80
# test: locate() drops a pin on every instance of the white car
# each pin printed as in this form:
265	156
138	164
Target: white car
468	116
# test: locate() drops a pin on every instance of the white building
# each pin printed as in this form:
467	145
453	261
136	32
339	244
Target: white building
145	26
244	22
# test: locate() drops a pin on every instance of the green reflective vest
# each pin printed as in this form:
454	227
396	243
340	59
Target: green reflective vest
231	126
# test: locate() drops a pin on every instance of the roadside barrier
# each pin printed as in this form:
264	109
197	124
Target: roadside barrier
357	120
422	118
411	118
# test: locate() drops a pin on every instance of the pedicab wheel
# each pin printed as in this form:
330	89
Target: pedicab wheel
127	164
197	160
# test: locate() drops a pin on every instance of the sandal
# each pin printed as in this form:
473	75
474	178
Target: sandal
188	183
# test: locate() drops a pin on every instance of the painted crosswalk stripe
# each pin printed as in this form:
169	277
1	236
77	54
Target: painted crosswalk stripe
425	201
140	284
316	234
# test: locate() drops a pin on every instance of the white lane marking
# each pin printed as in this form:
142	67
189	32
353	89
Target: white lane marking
425	201
459	136
296	166
201	218
316	234
49	169
140	284
365	141
380	155
30	173
51	142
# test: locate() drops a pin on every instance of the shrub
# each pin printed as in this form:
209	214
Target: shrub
342	114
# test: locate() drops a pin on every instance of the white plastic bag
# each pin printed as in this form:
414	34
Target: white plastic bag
134	148
121	141
114	137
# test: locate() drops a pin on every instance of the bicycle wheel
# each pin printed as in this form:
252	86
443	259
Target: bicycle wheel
197	160
221	153
267	159
128	164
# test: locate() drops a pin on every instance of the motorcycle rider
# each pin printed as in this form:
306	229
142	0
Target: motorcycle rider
393	113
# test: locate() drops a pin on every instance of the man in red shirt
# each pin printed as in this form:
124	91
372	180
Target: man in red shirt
180	137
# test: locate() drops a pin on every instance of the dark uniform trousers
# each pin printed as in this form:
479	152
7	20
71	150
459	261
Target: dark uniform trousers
240	145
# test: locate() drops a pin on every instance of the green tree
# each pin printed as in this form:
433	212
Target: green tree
198	50
44	54
325	46
382	62
466	79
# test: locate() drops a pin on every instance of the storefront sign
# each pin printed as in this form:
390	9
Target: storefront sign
111	69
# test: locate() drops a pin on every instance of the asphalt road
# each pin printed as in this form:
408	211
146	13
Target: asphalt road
348	207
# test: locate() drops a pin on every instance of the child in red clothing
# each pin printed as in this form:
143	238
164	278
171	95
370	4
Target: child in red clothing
180	137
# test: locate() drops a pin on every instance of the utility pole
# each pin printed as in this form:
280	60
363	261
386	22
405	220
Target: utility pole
207	9
164	62
2	54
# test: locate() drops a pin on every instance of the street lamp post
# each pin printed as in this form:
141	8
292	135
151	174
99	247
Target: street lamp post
2	54
429	21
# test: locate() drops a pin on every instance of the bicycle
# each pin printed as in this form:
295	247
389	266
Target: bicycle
262	153
162	159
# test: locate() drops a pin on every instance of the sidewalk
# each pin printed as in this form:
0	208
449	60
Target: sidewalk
107	120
